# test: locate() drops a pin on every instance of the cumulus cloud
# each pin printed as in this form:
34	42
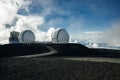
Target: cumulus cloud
8	12
31	23
9	9
10	20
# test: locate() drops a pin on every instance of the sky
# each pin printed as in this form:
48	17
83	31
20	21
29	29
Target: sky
96	20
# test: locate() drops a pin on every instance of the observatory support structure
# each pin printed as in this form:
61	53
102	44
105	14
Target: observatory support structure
14	37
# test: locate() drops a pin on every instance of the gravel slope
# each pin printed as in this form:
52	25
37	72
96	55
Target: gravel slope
46	68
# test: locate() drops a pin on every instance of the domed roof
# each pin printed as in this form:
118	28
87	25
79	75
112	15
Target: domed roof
60	36
27	36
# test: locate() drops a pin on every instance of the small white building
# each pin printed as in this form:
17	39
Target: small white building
60	36
14	37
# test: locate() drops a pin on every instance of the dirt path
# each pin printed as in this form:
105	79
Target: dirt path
95	59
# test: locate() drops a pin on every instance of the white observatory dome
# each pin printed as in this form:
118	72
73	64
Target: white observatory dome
27	36
60	36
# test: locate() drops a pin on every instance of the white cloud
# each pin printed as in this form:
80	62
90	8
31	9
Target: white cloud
9	8
31	23
8	13
49	32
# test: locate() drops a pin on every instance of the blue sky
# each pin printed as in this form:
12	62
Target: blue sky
86	15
